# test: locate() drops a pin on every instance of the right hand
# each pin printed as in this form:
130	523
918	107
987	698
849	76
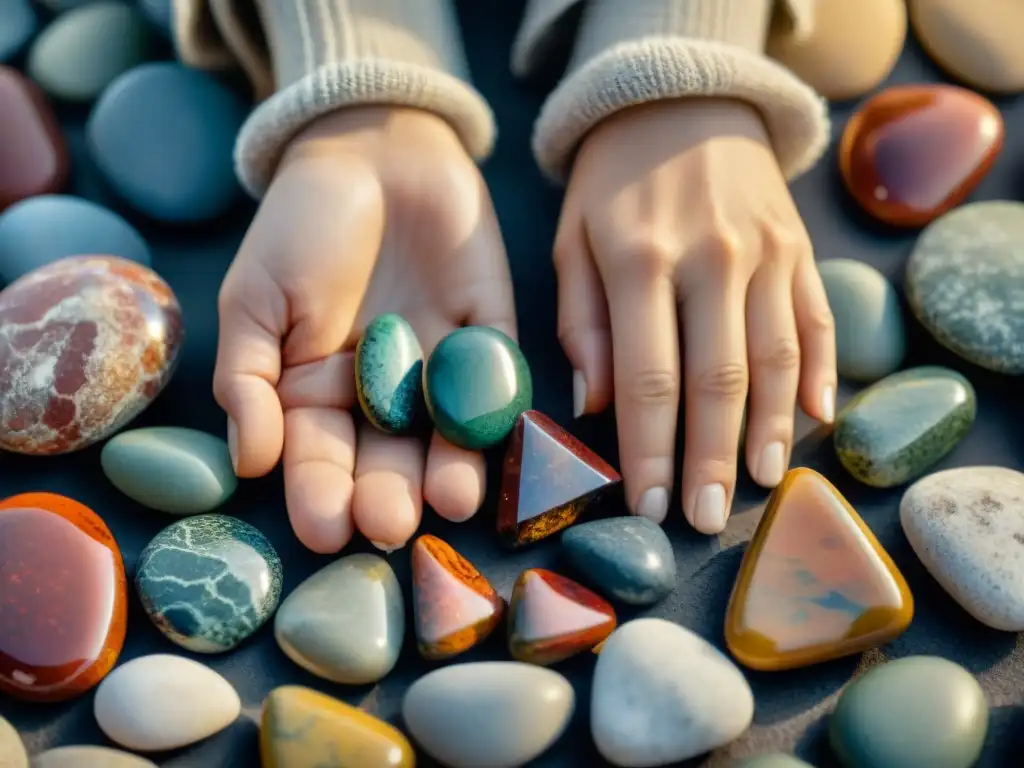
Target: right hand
372	210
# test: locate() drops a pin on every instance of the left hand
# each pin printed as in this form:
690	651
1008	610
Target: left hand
677	215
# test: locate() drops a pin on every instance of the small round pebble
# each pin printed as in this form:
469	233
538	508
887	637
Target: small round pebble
12	751
20	24
160	14
162	136
870	337
88	757
914	712
389	374
776	760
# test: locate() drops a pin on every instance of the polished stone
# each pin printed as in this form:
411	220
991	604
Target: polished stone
86	344
967	527
476	383
965	283
913	152
549	479
870	333
346	622
499	714
160	14
662	694
88	757
897	429
12	751
389	375
192	118
63	598
161	702
814	583
626	558
775	760
303	728
170	469
551	618
913	712
21	22
208	582
454	606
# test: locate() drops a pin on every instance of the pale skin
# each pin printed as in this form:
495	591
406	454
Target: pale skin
687	241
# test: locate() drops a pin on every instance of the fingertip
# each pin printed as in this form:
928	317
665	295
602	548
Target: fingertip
255	428
386	509
320	509
591	358
455	480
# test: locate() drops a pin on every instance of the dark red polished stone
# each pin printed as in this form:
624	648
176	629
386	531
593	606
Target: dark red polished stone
63	598
549	478
86	343
913	152
33	155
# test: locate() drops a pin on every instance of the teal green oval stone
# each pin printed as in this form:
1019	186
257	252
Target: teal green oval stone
775	760
910	713
389	374
898	428
208	582
477	384
170	469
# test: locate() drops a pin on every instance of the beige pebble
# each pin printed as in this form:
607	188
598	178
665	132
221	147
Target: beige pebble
89	757
12	751
852	48
976	41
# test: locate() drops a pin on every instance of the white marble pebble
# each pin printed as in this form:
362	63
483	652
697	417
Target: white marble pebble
160	702
12	751
89	757
662	694
967	527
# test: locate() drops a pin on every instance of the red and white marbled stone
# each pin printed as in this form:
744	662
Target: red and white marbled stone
86	343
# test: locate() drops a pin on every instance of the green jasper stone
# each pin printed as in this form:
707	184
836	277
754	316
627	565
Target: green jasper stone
477	384
389	374
914	712
170	469
896	429
776	760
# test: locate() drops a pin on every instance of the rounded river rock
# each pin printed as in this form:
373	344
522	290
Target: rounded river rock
389	374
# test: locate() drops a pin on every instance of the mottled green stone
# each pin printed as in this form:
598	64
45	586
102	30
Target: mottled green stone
776	760
208	582
898	428
477	384
389	374
910	713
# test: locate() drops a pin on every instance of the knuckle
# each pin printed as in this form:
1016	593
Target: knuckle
727	381
653	387
822	322
648	257
784	242
724	251
783	355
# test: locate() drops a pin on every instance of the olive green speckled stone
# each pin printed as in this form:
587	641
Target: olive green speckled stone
896	429
477	384
389	374
776	760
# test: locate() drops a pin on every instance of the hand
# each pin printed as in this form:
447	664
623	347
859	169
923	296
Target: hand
677	215
373	210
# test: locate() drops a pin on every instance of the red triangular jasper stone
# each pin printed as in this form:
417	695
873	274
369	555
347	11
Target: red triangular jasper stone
552	618
454	606
549	478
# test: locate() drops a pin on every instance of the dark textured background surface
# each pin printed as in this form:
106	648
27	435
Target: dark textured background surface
791	706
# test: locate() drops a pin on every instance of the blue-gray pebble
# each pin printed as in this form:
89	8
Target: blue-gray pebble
162	136
208	582
20	24
44	229
389	374
160	14
170	469
914	712
627	558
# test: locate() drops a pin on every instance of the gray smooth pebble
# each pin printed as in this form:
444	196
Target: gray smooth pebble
19	24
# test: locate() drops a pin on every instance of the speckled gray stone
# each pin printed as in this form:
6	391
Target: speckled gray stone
777	760
967	527
965	283
20	23
12	751
88	757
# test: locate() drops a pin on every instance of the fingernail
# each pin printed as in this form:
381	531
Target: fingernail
387	549
828	404
772	465
709	511
233	444
579	394
653	504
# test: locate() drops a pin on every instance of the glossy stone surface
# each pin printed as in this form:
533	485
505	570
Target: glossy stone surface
967	527
82	51
86	344
389	374
549	479
776	760
552	618
160	702
89	757
303	728
454	606
912	712
192	118
965	283
913	152
170	469
12	751
814	583
898	428
208	582
662	694
346	622
626	558
33	155
63	598
476	383
160	14
20	24
870	334
495	713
